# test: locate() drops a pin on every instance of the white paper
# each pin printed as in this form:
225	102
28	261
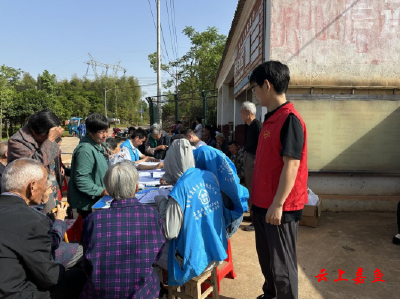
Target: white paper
158	175
144	174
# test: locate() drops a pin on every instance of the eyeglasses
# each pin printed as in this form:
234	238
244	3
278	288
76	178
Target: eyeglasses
253	88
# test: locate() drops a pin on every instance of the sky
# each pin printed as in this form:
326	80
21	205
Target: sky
58	35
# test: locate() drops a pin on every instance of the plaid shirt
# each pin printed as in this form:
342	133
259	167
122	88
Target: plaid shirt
121	245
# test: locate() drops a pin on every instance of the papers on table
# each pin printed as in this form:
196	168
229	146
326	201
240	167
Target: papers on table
147	196
150	178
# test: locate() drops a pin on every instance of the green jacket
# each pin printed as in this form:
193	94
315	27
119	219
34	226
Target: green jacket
88	168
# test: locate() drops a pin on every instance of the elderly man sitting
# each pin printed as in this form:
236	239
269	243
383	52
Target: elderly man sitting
27	267
121	244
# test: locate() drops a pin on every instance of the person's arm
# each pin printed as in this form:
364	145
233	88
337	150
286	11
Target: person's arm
36	257
171	216
151	167
59	227
286	183
46	154
84	164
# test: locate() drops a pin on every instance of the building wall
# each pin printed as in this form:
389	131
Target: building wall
341	42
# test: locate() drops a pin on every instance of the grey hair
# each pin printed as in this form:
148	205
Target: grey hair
249	106
220	135
155	129
3	148
21	172
121	180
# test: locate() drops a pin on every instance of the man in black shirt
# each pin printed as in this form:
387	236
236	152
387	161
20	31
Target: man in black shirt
252	131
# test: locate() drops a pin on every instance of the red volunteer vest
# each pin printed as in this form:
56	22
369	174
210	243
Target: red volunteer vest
269	164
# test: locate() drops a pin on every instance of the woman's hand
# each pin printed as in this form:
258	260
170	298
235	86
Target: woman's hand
162	182
104	193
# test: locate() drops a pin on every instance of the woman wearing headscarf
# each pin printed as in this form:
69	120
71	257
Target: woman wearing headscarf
192	217
235	195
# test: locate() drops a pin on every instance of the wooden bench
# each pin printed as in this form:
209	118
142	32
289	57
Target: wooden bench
193	290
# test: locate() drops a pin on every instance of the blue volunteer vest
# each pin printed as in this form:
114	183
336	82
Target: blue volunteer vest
202	238
211	159
132	151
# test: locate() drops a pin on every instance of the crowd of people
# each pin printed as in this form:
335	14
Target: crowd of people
131	250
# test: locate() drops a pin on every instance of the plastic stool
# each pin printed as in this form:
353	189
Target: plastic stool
225	271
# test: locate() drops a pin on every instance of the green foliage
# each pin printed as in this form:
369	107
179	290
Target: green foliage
195	71
22	95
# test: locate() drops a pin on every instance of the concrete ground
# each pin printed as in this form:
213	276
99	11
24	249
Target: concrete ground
345	241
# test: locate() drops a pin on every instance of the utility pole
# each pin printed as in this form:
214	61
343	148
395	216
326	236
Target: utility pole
105	101
158	64
141	112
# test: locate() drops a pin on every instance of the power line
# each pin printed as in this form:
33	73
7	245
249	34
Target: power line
155	27
172	5
170	31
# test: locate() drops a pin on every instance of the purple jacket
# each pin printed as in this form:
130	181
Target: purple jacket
121	245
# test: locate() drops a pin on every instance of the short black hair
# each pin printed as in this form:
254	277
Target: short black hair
198	119
187	132
275	72
96	122
138	133
111	143
131	129
233	142
41	122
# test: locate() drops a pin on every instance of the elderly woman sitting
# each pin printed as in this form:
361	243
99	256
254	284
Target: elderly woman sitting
193	217
122	243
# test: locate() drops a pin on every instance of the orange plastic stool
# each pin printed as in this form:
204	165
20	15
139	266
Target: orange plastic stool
75	232
226	271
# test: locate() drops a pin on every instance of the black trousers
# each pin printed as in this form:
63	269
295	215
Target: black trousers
70	286
276	249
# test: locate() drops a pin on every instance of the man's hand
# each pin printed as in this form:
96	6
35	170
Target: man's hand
54	133
162	147
274	215
61	212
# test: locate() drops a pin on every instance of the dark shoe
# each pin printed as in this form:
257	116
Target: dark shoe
250	228
396	239
261	297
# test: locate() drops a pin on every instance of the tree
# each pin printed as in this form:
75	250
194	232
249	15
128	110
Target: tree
195	71
8	80
46	82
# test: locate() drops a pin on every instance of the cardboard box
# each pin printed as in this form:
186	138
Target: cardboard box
311	214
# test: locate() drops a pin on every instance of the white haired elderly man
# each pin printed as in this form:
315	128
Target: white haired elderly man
27	266
158	142
252	131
